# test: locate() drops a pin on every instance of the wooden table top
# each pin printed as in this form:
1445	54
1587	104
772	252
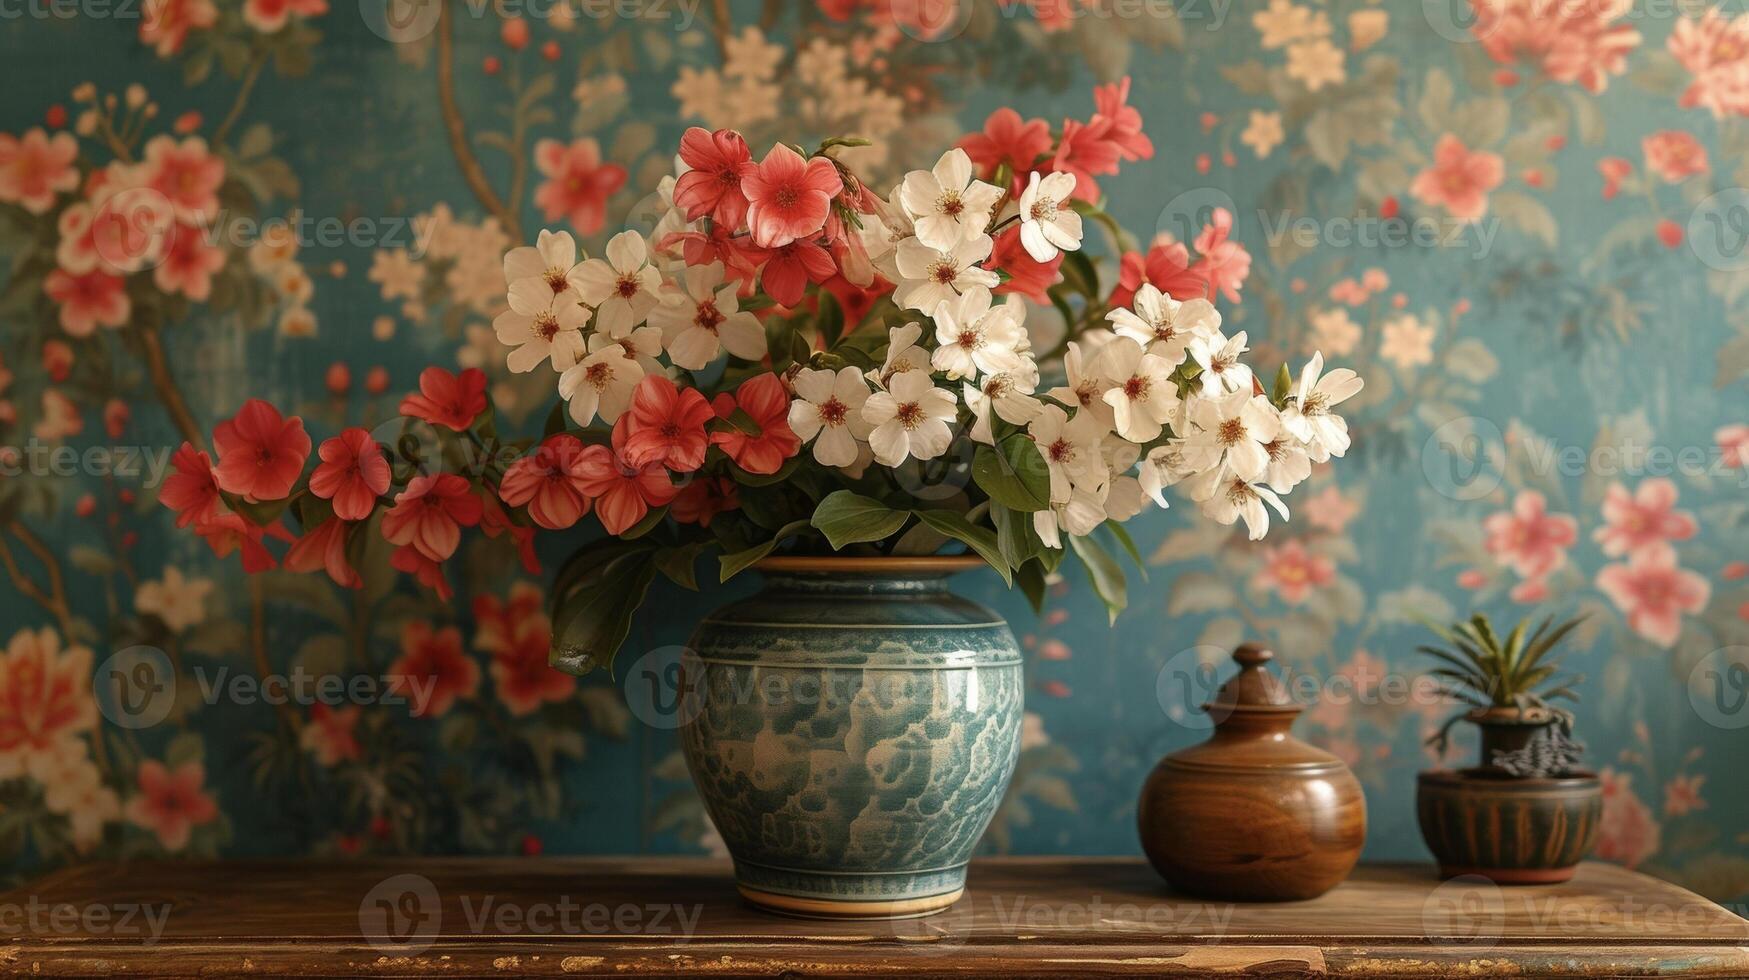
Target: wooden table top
661	916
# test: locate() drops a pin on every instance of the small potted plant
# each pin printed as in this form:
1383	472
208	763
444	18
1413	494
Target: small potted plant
1527	813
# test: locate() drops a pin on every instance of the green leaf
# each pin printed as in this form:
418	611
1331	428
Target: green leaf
1015	536
735	564
1031	579
1284	383
846	518
980	539
593	619
645	526
829	323
1014	474
677	563
1107	576
1128	543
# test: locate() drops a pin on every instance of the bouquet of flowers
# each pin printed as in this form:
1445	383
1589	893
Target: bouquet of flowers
788	359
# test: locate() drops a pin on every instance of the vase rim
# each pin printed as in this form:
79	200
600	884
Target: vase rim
879	564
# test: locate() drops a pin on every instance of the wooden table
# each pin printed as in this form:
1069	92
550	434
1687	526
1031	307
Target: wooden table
661	916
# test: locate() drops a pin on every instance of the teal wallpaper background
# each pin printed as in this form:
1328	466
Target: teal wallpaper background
1525	228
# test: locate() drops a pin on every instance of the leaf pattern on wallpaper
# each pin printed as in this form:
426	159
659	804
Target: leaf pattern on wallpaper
1556	414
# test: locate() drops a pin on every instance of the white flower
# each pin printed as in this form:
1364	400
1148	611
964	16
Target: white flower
1071	448
622	287
1164	467
882	232
1225	498
551	262
179	602
601	384
642	344
903	354
1289	463
542	325
910	419
1232	429
1007	394
930	277
700	316
1142	395
1086	386
1164	325
1080	515
1219	359
1124	498
973	337
946	203
1308	416
1045	226
830	405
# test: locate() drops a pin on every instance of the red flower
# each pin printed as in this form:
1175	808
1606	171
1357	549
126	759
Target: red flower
791	267
578	184
1224	263
1528	538
1085	151
1459	179
623	492
330	733
719	161
171	804
1008	139
325	548
549	482
428	572
1027	276
191	491
765	400
1110	102
518	636
788	197
1646	518
429	515
188	263
703	499
88	300
226	533
1614	171
1167	267
432	671
261	454
1653	592
186	173
665	426
446	399
1674	155
353	474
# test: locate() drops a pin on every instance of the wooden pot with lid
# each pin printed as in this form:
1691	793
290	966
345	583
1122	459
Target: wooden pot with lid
1252	814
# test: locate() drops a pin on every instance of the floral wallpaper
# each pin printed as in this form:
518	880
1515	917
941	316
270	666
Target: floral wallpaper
1523	221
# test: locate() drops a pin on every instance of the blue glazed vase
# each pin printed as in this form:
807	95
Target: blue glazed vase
854	729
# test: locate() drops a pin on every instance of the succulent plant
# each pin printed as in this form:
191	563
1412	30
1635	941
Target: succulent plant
1484	671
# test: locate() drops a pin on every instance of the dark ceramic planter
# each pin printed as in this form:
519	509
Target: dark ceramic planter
854	731
1511	831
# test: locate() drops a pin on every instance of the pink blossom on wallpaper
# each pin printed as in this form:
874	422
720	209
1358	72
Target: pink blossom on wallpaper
1733	443
432	672
1573	41
88	300
578	183
1715	50
1628	833
1647	518
45	703
1528	539
188	263
1674	155
1653	592
330	734
1329	509
1682	795
171	803
186	174
36	167
1292	572
1614	171
167	23
1459	178
518	635
268	16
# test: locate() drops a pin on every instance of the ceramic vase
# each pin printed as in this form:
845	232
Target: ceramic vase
853	730
1510	830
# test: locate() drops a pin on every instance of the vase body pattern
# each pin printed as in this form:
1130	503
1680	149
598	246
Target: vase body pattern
852	734
1511	831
